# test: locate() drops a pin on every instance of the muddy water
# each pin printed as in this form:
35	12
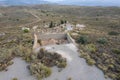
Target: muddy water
17	70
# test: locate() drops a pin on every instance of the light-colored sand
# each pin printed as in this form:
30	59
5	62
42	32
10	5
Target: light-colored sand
17	70
76	68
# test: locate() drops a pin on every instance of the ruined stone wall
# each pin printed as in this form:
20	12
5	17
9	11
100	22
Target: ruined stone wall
69	38
51	36
56	36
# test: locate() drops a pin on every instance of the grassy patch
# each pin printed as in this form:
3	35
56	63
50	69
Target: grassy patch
91	47
102	40
113	33
40	70
89	60
5	57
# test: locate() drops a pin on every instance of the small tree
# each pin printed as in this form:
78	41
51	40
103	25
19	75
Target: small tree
113	33
102	40
65	21
82	39
51	25
62	22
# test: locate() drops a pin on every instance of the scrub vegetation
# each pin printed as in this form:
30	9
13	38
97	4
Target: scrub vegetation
99	41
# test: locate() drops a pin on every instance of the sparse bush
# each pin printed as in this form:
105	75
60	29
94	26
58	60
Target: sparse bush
91	47
91	61
14	79
111	66
25	29
40	70
51	59
16	47
40	42
22	51
17	19
62	22
43	11
10	63
113	33
104	68
114	25
44	59
65	21
5	57
116	51
42	50
5	54
51	25
82	40
18	50
62	64
69	78
102	40
112	75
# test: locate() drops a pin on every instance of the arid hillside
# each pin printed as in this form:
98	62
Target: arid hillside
98	42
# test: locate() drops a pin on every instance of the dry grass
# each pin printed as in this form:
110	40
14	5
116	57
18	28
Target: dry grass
101	23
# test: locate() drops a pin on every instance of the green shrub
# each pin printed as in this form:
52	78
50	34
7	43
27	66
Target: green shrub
18	50
42	50
40	42
5	54
102	40
26	31
114	25
113	33
82	39
63	21
62	64
116	51
5	57
91	61
14	79
51	25
51	59
40	70
112	75
91	47
102	67
69	78
22	51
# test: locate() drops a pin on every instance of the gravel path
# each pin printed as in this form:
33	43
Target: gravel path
76	68
17	70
